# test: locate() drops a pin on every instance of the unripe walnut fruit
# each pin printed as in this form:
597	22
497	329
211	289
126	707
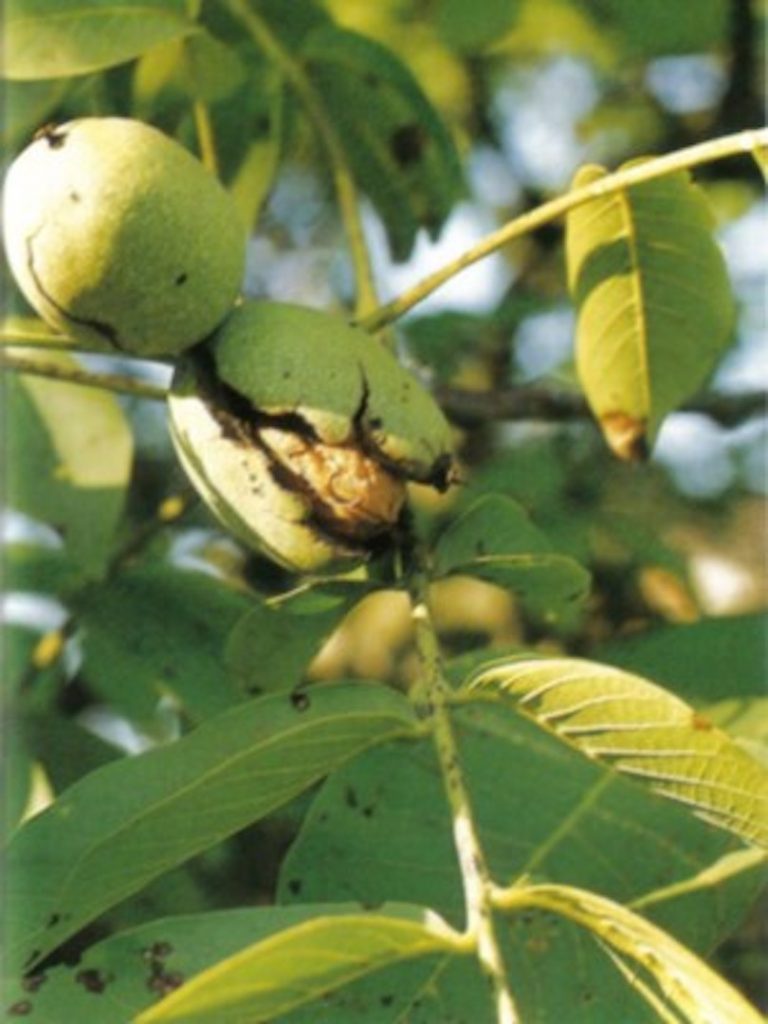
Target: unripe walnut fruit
120	237
301	432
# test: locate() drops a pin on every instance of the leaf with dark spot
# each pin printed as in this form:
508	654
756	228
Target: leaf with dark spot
407	144
399	148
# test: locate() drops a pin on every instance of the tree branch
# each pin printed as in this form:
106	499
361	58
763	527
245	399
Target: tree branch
538	402
466	408
657	167
78	375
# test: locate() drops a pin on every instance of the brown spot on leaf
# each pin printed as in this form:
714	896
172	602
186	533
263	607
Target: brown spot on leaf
34	981
20	1009
700	723
626	436
92	980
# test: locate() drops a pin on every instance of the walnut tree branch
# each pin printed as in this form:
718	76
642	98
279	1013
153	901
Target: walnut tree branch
549	404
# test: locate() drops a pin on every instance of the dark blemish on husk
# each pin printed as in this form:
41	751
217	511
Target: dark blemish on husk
53	135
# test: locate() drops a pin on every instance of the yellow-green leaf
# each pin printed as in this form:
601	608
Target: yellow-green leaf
680	987
70	451
760	154
300	964
56	38
654	303
642	731
86	427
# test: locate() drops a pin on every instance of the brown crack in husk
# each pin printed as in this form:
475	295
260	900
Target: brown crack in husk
352	495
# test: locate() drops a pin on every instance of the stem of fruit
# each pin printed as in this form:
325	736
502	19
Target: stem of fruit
753	141
77	375
430	698
344	183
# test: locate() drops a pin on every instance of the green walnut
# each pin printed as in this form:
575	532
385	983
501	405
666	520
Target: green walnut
300	432
120	237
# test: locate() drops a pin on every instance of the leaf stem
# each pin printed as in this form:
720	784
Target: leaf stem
430	697
77	375
205	137
705	152
346	192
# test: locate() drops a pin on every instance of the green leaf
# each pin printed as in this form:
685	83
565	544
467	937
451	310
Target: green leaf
642	731
272	644
496	541
746	719
212	70
56	38
654	303
27	105
159	631
728	866
708	660
194	66
37	568
125	824
399	148
686	989
470	26
655	26
69	452
380	829
131	969
304	962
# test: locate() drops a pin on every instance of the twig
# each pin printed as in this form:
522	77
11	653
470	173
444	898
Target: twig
429	696
77	375
537	402
343	179
466	408
657	167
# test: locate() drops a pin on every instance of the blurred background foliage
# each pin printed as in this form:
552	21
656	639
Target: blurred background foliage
528	91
